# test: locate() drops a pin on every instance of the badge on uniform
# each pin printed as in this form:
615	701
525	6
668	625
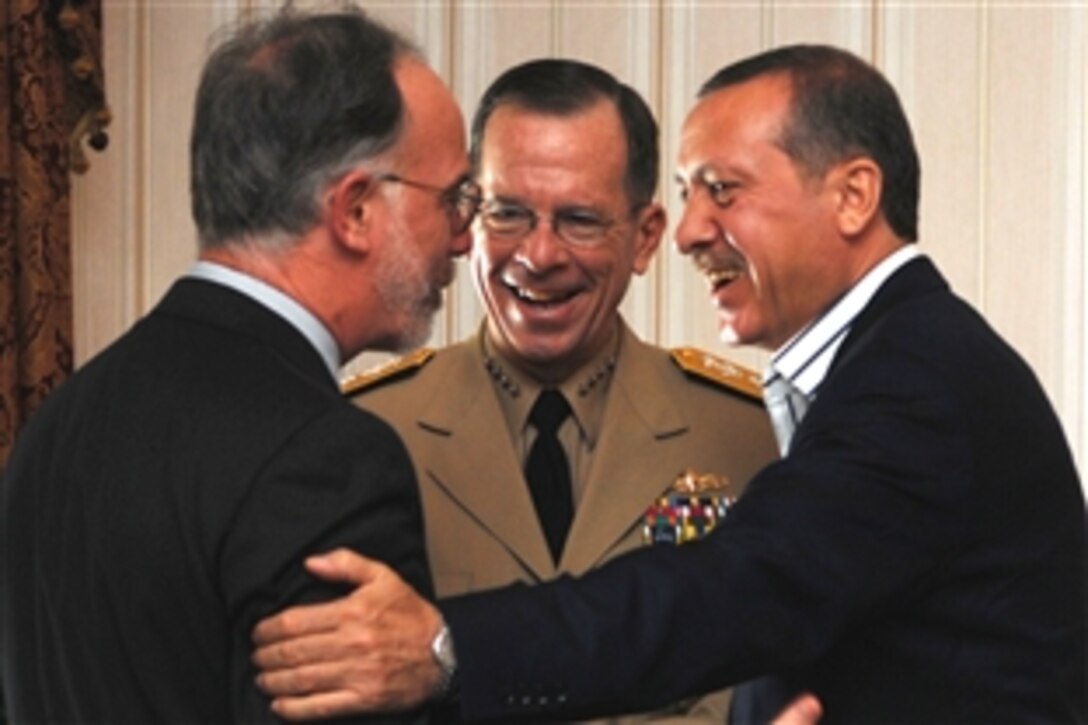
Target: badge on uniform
693	506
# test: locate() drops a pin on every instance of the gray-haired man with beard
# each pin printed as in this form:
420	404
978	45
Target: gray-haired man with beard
161	502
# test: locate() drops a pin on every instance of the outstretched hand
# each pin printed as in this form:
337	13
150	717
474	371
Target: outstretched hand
367	652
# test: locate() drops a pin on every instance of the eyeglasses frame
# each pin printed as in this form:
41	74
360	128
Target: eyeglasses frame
464	191
536	217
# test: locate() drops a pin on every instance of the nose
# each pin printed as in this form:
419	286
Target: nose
696	227
541	248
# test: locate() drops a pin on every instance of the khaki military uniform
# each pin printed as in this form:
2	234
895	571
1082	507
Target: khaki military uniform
640	419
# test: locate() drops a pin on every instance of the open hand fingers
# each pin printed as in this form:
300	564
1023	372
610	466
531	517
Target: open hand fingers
337	688
323	705
298	622
299	652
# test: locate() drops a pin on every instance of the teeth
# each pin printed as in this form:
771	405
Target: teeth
719	277
539	296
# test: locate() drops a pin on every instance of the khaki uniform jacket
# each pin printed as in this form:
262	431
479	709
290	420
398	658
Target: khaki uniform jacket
481	526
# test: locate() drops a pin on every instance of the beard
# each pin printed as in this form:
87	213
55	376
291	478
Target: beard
410	287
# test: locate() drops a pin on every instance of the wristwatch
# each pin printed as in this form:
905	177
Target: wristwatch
442	650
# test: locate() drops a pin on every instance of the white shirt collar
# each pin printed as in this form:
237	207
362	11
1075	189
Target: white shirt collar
283	305
805	358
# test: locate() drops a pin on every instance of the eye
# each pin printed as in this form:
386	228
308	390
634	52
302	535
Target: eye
721	192
580	226
507	219
506	213
581	219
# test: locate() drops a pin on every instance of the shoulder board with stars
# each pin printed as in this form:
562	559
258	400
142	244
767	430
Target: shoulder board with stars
391	370
719	370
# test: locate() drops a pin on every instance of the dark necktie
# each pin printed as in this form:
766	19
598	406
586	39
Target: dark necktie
548	471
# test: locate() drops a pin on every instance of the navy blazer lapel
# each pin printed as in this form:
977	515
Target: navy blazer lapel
219	306
914	279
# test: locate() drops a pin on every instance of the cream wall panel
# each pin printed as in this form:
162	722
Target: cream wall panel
935	58
133	205
624	40
177	37
104	202
1025	208
1073	396
847	24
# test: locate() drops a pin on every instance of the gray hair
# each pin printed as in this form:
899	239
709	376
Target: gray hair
284	107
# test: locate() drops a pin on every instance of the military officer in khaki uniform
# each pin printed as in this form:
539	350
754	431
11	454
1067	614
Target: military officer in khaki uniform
567	161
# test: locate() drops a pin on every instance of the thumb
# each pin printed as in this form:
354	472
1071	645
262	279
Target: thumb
805	709
345	565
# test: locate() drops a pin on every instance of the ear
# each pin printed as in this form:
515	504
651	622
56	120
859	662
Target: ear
350	208
651	227
859	184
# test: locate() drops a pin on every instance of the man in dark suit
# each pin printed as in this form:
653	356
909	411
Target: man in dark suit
919	553
163	500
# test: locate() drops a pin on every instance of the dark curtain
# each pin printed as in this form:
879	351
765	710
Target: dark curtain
51	101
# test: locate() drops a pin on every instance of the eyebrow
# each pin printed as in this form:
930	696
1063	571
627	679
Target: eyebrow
699	173
562	208
504	199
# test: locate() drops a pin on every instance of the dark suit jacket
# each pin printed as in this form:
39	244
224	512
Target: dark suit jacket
162	502
919	556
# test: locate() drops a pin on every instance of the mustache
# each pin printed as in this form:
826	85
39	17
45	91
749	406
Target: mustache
710	262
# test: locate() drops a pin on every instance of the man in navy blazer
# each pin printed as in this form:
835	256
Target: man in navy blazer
917	555
164	499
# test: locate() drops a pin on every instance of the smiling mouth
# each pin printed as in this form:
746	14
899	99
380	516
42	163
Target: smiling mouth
542	298
719	278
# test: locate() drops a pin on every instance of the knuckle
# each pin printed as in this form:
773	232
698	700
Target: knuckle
290	654
286	623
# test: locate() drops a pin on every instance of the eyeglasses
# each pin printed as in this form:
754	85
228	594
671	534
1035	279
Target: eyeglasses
461	200
576	227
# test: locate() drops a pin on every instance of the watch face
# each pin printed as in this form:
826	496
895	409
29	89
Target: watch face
443	649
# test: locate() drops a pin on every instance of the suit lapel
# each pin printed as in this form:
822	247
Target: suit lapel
458	417
632	466
915	278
